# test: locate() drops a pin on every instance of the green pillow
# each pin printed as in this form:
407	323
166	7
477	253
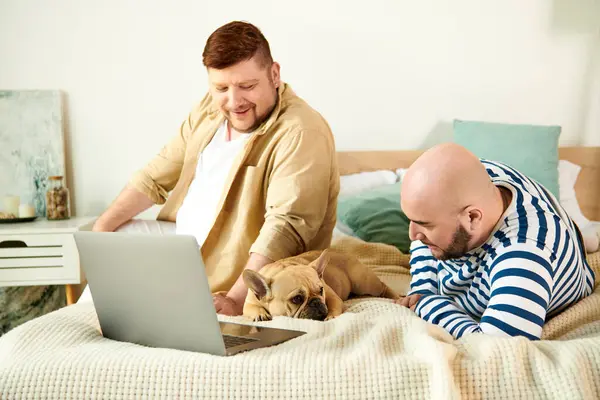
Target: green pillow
375	216
531	149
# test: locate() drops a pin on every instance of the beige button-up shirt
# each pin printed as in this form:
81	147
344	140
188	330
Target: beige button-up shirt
280	197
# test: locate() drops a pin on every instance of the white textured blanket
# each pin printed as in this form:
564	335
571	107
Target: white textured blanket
374	350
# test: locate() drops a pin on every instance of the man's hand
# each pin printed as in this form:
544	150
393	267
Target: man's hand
99	227
226	305
410	301
232	302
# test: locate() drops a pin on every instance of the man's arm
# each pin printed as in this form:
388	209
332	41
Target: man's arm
150	185
423	270
239	290
298	195
233	302
127	205
520	290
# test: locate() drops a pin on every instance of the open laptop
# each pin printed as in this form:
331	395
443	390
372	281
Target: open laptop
153	290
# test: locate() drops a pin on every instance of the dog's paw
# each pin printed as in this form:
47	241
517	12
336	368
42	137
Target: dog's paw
261	315
256	312
331	316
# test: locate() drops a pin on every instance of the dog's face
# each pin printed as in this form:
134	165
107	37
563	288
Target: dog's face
296	291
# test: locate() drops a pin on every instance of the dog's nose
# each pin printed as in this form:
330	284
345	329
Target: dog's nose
314	302
317	309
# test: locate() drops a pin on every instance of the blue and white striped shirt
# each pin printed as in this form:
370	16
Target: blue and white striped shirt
531	268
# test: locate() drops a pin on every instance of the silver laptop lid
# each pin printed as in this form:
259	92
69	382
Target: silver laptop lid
151	290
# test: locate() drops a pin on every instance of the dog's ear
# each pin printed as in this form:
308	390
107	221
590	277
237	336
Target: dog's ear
256	282
320	263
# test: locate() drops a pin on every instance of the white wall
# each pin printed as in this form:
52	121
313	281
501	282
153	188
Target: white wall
386	74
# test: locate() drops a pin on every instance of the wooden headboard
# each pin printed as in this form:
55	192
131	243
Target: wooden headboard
587	187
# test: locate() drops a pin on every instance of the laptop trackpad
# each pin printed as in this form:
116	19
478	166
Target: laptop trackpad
234	341
238	334
233	329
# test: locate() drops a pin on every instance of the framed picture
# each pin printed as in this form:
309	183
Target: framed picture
32	144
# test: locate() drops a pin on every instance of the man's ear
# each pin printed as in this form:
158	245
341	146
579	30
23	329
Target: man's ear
257	283
320	263
475	218
276	74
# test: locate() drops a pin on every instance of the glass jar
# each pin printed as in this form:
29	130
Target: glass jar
57	199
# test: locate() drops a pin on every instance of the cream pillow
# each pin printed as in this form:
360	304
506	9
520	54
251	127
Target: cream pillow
567	176
356	183
353	184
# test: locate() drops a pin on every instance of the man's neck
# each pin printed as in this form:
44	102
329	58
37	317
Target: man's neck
498	206
506	198
232	134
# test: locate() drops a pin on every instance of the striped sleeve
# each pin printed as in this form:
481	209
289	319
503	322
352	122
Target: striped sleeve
520	289
423	270
445	312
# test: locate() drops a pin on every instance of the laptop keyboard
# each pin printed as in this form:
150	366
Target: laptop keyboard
232	341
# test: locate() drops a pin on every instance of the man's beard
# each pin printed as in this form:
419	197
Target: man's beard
459	245
259	119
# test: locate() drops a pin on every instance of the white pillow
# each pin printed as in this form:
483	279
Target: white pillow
154	227
400	173
591	237
356	183
567	176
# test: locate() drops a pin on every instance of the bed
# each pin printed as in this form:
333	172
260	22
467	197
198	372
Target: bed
376	349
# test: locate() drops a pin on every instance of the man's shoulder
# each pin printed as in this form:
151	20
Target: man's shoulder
501	172
299	116
203	108
512	245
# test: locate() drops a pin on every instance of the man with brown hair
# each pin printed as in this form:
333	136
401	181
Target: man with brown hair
252	172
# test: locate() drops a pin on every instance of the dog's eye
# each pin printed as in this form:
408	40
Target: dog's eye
298	299
322	290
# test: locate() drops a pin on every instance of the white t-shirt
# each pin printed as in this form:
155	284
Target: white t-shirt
198	211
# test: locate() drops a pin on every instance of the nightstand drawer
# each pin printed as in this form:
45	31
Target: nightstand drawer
42	257
32	251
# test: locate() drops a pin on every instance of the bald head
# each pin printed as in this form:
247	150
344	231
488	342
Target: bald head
450	199
447	176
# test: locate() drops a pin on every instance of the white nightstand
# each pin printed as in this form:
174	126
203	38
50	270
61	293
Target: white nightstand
42	252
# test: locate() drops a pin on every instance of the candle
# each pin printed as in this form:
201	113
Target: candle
26	211
11	205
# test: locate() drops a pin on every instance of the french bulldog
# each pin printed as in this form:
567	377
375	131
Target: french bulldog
312	285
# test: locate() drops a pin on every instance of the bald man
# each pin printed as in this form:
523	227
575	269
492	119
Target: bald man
492	251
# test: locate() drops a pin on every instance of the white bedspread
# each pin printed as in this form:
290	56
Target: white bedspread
374	350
